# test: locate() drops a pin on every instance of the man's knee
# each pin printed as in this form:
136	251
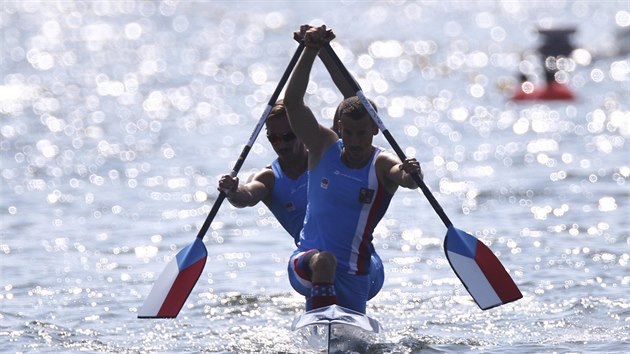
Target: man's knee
323	261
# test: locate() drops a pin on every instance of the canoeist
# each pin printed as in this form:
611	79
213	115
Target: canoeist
556	45
350	184
281	186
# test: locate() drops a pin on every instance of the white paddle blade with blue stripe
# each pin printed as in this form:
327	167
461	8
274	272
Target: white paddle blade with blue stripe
480	270
172	288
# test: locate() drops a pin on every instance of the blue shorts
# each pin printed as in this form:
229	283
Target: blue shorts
353	291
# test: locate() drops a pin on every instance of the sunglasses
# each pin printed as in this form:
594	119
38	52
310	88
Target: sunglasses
286	137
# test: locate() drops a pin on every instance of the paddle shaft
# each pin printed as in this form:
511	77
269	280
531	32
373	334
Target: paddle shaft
475	265
427	192
252	139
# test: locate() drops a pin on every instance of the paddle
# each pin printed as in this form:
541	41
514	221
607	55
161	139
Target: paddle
475	265
174	285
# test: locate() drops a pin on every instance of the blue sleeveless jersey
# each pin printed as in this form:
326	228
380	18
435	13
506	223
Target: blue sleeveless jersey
351	202
288	200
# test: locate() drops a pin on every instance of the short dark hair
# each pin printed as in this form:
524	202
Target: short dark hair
278	109
353	108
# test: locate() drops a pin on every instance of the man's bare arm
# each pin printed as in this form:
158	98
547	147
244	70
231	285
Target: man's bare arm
398	173
249	194
315	137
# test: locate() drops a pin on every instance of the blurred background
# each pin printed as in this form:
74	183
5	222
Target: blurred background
117	118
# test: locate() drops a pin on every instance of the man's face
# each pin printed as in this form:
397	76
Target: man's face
282	138
357	136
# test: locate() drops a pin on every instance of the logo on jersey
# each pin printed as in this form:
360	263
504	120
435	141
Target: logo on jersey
324	183
289	206
366	195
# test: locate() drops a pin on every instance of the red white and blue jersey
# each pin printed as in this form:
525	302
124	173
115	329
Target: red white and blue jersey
288	200
344	207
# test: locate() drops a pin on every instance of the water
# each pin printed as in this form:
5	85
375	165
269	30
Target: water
117	117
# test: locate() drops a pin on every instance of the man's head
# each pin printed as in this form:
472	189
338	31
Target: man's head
280	135
352	107
355	127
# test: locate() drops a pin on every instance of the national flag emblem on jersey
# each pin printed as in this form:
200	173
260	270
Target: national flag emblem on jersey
324	183
167	297
366	195
479	269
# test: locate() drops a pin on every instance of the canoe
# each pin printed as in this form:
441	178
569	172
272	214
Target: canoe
337	329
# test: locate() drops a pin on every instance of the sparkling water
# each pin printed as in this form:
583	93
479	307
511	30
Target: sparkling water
117	118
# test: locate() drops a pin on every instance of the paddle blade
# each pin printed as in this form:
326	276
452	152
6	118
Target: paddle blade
172	288
479	269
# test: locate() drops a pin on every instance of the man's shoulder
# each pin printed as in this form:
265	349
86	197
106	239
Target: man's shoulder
328	140
266	174
384	161
384	154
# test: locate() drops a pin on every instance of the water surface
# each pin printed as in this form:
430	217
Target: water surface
117	117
